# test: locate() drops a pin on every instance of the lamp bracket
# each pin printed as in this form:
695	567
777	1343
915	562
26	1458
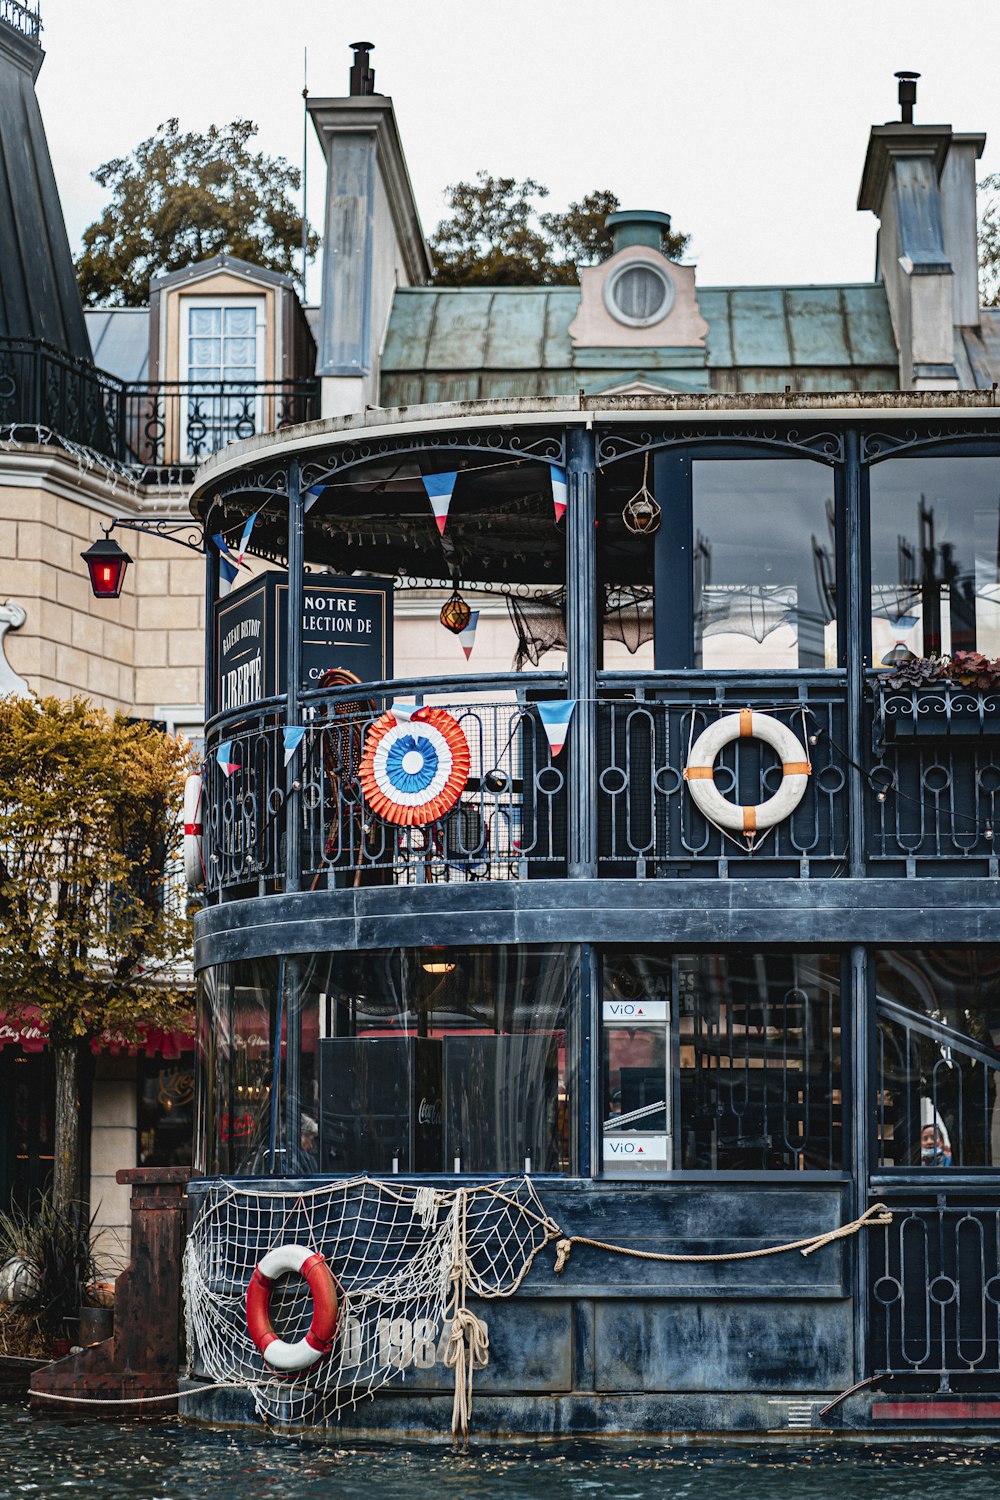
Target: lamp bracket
189	534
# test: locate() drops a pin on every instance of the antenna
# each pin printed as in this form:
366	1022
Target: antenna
305	165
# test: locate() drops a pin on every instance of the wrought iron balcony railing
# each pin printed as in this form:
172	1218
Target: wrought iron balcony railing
150	426
21	18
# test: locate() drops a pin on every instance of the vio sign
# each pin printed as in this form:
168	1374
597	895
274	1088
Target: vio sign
635	1011
637	1149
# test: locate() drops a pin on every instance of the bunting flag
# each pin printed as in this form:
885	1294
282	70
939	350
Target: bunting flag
311	496
247	533
403	712
439	489
224	757
228	574
560	490
224	548
555	717
293	739
467	637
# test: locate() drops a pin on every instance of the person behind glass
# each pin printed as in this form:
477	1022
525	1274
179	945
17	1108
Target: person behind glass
935	1144
308	1139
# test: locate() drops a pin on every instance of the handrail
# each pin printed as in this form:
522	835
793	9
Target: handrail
937	1031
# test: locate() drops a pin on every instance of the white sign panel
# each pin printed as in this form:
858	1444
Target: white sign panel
620	1150
636	1010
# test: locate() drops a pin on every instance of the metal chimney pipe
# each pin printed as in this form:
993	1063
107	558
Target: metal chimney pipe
362	77
907	95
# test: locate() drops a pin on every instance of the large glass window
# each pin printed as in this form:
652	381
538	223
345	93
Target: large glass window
721	1063
222	360
935	556
411	1060
938	1061
764	564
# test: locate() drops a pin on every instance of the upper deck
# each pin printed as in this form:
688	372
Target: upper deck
800	541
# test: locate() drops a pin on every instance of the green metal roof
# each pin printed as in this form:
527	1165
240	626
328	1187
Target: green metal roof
469	343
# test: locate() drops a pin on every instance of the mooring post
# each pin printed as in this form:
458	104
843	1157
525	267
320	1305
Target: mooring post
141	1359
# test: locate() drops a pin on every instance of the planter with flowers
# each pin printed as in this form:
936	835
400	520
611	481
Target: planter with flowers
931	696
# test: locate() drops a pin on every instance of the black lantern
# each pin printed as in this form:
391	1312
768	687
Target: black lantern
107	565
455	613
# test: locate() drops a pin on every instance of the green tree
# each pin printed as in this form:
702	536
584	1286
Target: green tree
181	197
90	931
496	236
989	240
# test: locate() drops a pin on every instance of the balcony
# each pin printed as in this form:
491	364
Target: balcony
160	430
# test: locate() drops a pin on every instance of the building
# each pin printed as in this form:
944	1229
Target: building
708	518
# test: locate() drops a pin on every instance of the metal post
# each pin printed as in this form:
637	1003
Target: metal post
293	816
856	604
862	1095
581	636
211	599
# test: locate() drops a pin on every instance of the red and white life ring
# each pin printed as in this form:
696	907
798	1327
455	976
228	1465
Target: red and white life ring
699	772
326	1308
194	862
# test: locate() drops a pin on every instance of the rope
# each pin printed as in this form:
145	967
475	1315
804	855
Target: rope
877	1214
468	1350
222	1385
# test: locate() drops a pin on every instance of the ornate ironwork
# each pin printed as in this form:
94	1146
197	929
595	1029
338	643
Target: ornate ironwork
41	385
546	446
878	445
185	533
820	443
21	18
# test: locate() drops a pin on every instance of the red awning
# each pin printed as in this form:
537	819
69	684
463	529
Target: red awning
30	1032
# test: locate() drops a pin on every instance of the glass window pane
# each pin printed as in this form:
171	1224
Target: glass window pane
240	321
935	556
721	1063
764	564
239	352
202	352
203	321
938	1014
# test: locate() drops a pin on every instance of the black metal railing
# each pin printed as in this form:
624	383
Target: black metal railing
935	1291
934	782
648	822
21	18
149	426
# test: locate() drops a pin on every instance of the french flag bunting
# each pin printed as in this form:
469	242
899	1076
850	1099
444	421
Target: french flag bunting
467	637
293	739
403	712
311	496
560	490
224	756
228	574
555	719
247	534
223	547
440	488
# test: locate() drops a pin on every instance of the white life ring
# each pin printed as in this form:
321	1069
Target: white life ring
699	772
194	863
278	1353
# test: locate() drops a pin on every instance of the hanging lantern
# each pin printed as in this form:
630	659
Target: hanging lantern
642	515
107	565
455	613
898	656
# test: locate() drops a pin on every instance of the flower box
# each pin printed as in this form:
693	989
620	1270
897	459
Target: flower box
937	711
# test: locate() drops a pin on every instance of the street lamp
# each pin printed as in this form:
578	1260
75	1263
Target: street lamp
107	564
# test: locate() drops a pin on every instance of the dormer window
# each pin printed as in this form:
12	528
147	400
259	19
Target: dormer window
223	359
639	294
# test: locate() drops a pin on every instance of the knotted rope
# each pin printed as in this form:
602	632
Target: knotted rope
877	1214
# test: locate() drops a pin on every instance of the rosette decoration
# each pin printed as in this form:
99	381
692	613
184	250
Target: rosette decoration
414	772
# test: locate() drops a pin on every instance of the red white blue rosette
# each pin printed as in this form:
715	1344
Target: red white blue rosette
413	773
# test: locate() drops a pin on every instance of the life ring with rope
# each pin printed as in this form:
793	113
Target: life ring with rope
699	773
284	1260
194	860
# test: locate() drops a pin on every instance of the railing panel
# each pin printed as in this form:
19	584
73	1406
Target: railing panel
649	823
935	1292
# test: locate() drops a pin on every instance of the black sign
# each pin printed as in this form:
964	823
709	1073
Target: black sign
345	624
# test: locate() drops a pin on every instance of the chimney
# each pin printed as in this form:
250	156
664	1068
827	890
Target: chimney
919	181
362	77
638	226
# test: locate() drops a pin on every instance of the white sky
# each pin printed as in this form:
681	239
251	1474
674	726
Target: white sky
747	120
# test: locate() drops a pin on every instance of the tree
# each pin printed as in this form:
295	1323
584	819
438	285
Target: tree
495	235
183	197
989	240
89	935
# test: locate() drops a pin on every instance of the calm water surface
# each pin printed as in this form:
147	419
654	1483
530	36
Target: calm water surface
41	1456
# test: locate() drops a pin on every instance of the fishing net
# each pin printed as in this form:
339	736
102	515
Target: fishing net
405	1258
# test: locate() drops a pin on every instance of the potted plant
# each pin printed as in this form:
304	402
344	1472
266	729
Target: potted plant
47	1269
939	695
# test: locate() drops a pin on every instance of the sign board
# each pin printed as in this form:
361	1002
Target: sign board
636	1012
635	1150
345	623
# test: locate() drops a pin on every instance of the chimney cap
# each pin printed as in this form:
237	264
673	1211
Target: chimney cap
907	94
638	226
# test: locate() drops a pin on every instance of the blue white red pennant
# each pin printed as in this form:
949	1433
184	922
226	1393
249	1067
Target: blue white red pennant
440	488
414	772
560	490
247	534
311	496
467	637
292	740
224	756
555	717
228	574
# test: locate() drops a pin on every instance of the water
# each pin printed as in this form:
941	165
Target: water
44	1457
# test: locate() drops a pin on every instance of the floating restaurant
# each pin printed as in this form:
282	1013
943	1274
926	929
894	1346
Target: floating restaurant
616	1038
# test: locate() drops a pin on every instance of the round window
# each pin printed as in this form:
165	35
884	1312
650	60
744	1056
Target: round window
639	294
